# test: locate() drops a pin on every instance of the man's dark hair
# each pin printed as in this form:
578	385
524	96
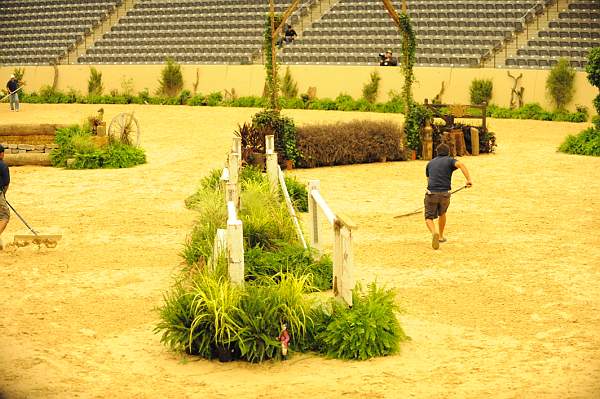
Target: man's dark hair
442	150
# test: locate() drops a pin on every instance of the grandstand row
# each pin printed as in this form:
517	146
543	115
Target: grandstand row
462	33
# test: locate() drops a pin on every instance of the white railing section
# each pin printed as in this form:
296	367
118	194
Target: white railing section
277	178
343	261
231	240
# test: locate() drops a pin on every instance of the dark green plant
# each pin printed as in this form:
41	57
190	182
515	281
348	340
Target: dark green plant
271	66
272	122
298	193
289	88
371	89
560	84
585	143
481	91
171	80
19	75
95	82
368	329
593	67
64	139
291	259
417	116
535	111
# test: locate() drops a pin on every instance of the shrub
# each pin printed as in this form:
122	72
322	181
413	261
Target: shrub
290	259
64	138
368	329
593	67
214	99
353	142
481	91
298	193
95	82
535	111
322	104
560	84
415	121
289	88
171	81
284	130
371	89
585	143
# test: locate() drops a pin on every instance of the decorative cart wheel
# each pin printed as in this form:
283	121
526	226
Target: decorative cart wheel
125	128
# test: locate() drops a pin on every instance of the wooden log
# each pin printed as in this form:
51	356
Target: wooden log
459	142
474	141
44	129
32	139
448	139
28	158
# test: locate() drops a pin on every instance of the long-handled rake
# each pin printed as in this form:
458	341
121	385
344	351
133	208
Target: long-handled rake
8	95
416	211
49	240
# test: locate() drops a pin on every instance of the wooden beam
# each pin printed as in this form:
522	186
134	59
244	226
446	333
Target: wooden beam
284	17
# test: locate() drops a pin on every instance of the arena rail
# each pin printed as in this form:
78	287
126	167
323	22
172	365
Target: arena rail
343	260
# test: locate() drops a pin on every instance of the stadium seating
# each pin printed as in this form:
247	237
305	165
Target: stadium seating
188	31
41	31
449	33
570	36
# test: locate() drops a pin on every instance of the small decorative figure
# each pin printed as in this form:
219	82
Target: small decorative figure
284	338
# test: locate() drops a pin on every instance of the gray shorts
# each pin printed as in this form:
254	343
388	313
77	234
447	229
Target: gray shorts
4	210
436	204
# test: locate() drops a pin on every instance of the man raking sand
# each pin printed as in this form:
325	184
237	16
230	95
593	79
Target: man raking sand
437	199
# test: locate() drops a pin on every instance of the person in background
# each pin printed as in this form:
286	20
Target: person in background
13	85
290	34
4	183
387	59
437	199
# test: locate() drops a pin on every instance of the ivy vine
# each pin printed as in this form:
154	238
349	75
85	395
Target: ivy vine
271	67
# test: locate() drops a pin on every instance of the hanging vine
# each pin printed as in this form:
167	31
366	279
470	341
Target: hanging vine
272	81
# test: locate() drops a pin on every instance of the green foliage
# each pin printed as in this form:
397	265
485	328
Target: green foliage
64	138
407	62
560	84
290	259
95	82
363	142
415	121
535	111
212	215
368	329
298	193
284	130
265	307
585	143
593	68
271	66
371	89
264	216
289	88
481	91
171	81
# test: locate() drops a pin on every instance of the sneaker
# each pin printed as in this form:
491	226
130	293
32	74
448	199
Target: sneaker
435	241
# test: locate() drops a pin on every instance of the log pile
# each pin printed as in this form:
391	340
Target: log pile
28	144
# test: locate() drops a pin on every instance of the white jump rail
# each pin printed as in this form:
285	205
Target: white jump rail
231	240
277	178
343	261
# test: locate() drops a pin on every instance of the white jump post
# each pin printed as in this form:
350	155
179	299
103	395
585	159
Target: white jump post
313	185
235	245
233	165
343	261
272	166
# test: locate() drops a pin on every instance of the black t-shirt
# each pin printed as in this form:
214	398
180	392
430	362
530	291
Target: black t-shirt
389	62
290	33
439	172
12	85
4	175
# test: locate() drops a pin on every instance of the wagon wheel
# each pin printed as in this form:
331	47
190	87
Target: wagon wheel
125	128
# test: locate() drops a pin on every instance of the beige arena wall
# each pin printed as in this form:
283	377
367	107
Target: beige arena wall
330	80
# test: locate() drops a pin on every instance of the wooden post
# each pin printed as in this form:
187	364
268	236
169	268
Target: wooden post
235	250
272	166
427	142
236	147
313	217
474	141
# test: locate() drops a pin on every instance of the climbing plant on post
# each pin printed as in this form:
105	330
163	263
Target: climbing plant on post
409	47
